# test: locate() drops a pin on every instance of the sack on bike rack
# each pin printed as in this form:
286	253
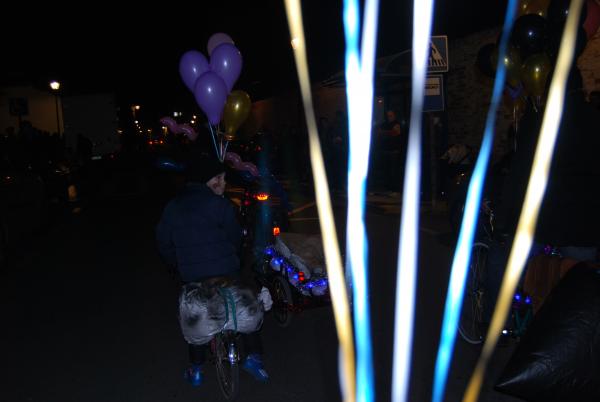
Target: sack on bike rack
305	254
204	312
558	359
544	272
304	251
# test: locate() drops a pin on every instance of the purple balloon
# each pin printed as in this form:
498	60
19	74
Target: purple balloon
170	124
211	95
234	158
226	60
191	66
217	39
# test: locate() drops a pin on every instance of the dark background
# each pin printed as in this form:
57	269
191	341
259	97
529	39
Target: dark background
134	49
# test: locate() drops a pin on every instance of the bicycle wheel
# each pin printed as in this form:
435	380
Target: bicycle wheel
282	301
471	318
226	362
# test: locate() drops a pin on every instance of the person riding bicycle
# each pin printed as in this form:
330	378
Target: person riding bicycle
199	234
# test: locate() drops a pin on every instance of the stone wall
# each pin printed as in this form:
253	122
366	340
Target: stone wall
469	92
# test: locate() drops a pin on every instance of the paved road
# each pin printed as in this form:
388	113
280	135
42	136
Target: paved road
89	314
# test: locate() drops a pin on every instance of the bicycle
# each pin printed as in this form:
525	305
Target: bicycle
472	327
224	348
218	327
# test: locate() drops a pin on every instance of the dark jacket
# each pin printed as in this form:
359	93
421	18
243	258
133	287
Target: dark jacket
570	212
200	235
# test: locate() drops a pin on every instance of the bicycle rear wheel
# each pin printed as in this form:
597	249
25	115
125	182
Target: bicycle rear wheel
470	326
227	364
282	300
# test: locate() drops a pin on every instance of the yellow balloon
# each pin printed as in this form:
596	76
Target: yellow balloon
235	113
539	7
534	73
512	63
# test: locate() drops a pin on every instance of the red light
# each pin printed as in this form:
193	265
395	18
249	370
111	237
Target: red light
246	203
262	196
301	276
149	142
276	231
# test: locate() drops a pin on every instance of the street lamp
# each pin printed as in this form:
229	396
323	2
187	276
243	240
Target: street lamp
135	108
55	86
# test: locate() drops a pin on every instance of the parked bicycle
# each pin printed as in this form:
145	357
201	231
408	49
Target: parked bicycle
472	326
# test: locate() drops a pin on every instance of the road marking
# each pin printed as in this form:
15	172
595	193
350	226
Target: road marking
429	231
302	208
302	219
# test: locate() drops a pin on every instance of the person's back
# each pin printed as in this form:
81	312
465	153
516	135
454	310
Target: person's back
570	213
199	233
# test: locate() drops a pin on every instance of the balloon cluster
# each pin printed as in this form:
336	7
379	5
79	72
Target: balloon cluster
534	44
236	162
211	82
175	128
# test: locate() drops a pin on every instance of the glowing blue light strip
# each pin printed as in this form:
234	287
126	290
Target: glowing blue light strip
462	257
409	231
359	87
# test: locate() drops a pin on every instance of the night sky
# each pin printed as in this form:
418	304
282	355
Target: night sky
135	51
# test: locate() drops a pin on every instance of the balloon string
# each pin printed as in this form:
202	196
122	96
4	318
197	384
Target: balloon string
515	128
218	129
212	134
221	148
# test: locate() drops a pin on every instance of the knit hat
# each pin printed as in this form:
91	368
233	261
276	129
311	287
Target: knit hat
200	168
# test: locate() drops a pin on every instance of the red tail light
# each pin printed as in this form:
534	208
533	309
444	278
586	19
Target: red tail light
301	276
276	231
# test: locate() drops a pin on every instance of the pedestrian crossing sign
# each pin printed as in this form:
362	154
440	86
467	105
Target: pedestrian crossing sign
438	54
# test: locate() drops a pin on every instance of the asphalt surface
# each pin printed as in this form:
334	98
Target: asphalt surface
89	314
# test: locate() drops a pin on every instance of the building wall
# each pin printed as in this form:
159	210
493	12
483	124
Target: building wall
41	113
469	92
282	113
589	64
95	117
276	114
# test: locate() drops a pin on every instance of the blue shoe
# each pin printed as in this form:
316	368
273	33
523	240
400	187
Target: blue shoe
254	365
194	375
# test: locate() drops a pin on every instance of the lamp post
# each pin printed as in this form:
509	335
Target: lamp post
135	108
55	86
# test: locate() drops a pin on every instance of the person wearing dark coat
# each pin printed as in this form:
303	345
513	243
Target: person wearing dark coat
569	218
199	234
